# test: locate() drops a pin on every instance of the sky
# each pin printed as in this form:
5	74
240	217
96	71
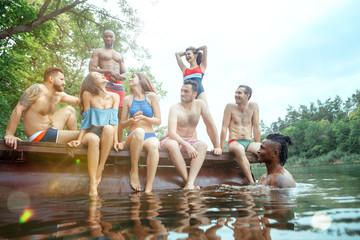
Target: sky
288	52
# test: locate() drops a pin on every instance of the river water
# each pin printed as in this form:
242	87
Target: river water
325	205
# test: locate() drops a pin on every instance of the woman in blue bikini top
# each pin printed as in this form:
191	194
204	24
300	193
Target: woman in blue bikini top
141	110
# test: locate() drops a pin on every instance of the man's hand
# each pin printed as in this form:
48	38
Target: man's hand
114	76
74	143
11	141
217	151
191	151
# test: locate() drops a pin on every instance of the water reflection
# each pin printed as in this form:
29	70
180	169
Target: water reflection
260	210
223	212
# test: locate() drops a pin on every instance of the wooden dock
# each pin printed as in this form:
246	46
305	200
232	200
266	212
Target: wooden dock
53	169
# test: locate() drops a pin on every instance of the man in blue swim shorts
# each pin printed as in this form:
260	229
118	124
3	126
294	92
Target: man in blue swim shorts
242	120
37	105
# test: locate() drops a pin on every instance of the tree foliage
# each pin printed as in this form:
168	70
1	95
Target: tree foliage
323	127
37	34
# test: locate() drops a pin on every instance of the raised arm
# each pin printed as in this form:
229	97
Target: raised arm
225	126
181	64
210	127
256	123
25	102
203	64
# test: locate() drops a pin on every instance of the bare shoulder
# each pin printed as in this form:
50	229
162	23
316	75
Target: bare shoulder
175	107
86	95
230	106
115	96
97	51
151	95
128	99
285	180
200	102
253	105
31	94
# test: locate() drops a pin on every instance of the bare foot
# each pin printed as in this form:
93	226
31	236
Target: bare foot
148	189
135	182
93	190
191	187
98	176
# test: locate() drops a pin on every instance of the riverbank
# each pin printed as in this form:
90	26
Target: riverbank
333	157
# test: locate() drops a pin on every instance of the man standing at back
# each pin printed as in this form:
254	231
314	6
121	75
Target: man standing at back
110	63
182	122
37	105
242	120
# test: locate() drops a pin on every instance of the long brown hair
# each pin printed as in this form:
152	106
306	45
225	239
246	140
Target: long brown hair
90	86
146	83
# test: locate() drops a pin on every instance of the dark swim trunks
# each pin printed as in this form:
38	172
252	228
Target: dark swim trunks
48	135
244	142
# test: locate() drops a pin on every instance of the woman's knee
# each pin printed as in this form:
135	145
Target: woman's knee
108	130
93	141
138	133
152	144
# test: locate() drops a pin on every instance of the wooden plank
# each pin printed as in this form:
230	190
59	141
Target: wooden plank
59	148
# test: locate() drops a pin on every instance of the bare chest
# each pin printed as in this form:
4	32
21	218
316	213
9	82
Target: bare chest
45	105
241	118
107	56
188	118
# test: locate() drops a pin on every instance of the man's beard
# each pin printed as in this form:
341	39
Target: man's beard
58	88
183	100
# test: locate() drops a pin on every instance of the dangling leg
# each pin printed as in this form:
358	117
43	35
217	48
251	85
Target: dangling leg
106	143
152	146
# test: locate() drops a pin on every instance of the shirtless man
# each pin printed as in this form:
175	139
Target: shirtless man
110	63
37	105
242	120
183	119
274	152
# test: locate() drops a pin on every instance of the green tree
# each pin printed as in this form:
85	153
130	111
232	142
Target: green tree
354	136
36	34
341	134
318	138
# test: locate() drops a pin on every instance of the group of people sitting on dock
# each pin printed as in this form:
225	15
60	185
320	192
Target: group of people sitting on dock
106	112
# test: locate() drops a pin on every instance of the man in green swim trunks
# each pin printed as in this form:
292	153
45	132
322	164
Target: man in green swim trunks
242	120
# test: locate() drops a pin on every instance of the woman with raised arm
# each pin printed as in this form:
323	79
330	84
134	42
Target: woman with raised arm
142	105
99	125
197	57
